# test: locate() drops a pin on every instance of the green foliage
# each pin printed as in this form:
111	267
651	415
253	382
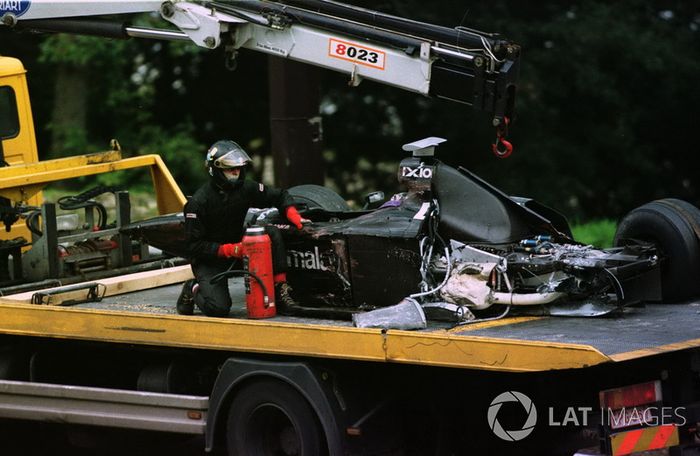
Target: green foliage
599	233
606	95
183	155
74	138
179	150
82	51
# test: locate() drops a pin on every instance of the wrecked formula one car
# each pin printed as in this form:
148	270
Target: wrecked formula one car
466	251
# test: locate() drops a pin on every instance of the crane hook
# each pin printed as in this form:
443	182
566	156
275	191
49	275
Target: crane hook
507	148
502	148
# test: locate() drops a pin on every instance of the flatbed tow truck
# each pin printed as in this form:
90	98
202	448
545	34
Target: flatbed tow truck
129	361
98	342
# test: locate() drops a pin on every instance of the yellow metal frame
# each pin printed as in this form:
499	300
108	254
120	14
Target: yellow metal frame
26	176
438	348
272	336
22	182
642	353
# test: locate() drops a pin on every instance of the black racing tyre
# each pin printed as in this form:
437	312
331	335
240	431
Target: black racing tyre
270	418
317	196
674	227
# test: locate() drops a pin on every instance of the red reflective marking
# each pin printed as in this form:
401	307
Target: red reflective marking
662	435
629	442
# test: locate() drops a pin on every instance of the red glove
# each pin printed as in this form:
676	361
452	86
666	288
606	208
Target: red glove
230	250
293	216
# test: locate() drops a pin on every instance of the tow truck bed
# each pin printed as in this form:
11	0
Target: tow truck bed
147	317
653	328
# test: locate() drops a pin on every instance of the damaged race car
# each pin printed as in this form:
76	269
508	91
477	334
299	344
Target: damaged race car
458	249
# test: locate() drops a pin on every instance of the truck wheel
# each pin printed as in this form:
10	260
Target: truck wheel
674	227
268	418
317	196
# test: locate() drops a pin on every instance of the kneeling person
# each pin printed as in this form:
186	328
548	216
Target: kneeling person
214	219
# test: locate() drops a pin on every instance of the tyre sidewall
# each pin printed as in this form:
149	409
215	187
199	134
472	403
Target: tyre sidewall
286	399
676	241
317	196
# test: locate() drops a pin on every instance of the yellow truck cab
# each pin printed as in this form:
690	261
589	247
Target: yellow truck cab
16	123
17	140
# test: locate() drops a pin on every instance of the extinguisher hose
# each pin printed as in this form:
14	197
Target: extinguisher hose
233	272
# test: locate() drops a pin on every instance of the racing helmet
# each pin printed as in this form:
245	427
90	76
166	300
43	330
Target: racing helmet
226	154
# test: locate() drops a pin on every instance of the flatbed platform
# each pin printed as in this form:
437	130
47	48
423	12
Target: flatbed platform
516	344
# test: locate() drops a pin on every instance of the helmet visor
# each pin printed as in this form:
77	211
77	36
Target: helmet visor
233	159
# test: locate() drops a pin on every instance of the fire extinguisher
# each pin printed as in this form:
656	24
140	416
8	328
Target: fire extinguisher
259	283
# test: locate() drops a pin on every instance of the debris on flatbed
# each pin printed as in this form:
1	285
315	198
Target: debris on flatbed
407	314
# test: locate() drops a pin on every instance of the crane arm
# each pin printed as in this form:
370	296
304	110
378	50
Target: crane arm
460	64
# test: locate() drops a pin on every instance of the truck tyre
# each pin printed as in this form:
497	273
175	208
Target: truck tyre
317	196
268	418
674	227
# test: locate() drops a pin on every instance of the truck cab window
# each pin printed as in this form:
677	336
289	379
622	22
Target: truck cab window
9	120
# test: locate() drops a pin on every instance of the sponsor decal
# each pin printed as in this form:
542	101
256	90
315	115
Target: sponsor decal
311	260
421	172
15	7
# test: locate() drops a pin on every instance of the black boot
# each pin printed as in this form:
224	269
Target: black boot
283	298
185	303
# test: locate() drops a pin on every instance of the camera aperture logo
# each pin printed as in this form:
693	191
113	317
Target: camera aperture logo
512	435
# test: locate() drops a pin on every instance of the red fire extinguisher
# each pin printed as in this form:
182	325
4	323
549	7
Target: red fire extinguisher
259	284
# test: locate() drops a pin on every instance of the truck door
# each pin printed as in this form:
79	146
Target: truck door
17	140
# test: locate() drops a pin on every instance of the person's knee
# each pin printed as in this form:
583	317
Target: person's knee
212	307
212	310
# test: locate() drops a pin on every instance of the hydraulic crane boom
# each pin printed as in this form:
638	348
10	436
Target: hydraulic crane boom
459	64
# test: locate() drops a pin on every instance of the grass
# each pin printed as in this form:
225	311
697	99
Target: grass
599	233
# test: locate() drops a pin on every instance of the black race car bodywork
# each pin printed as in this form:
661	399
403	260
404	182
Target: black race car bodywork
461	247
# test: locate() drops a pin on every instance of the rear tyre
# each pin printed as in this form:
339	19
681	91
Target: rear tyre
271	418
317	196
674	227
